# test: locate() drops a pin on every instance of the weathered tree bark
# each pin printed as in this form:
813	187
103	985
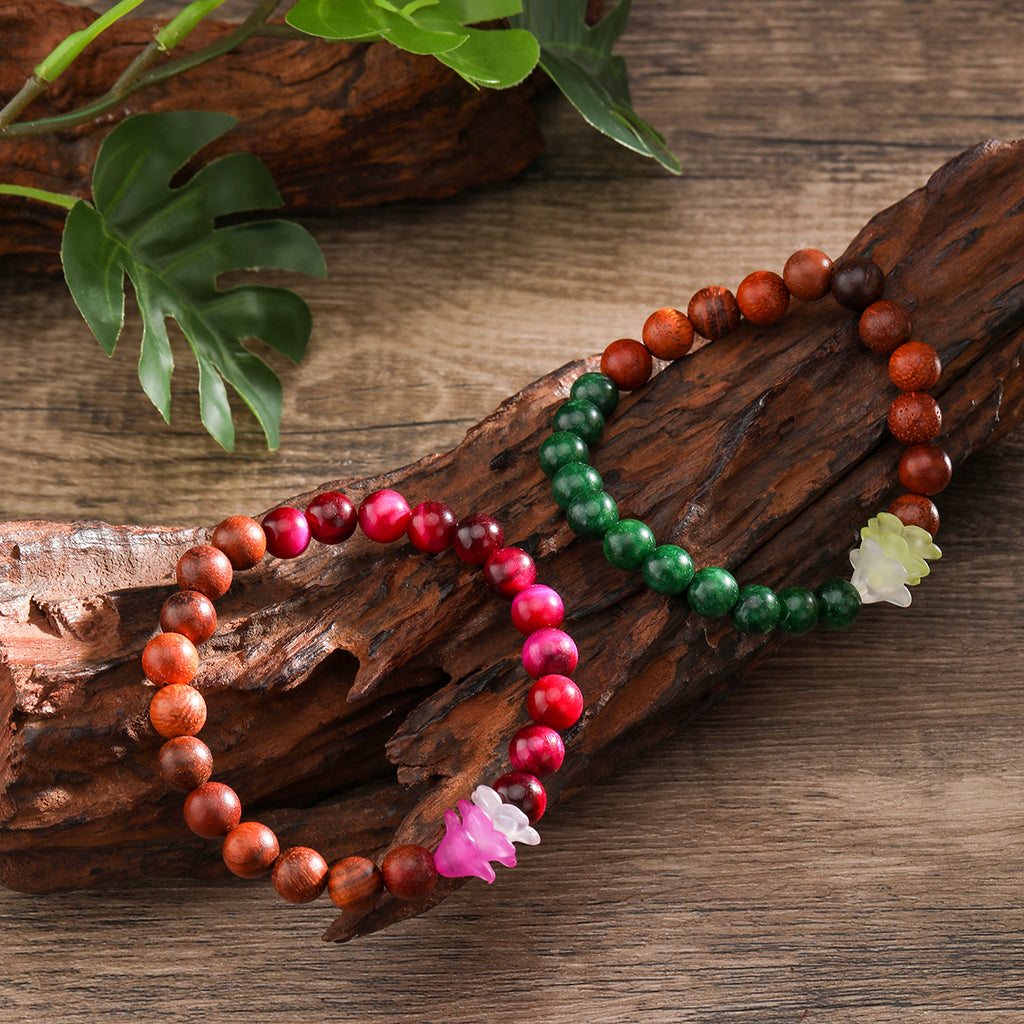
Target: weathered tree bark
354	694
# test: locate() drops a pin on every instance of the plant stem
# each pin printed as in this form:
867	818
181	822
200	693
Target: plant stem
33	87
41	195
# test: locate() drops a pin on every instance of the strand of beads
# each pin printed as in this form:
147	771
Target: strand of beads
497	815
896	545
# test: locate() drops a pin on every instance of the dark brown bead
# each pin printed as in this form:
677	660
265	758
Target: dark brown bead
177	710
250	849
916	510
713	312
857	282
185	763
191	614
925	469
914	417
355	884
763	297
299	875
206	569
884	326
242	539
628	363
808	274
409	872
668	334
212	810
170	658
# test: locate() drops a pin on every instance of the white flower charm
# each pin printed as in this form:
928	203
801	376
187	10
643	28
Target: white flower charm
878	577
507	818
907	544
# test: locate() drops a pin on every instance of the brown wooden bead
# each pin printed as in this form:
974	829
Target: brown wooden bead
170	658
206	569
857	282
299	875
914	417
242	539
808	274
409	872
925	469
884	326
250	849
763	297
628	363
177	710
668	334
915	366
916	510
185	763
191	614
212	810
355	884
713	312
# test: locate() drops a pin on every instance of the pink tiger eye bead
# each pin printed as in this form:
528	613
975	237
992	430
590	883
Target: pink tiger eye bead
432	527
536	607
549	651
525	791
287	531
555	701
331	517
384	516
536	749
477	537
508	571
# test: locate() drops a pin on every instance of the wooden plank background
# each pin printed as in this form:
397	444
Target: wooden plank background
842	841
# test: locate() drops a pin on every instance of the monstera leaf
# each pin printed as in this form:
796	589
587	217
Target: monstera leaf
166	240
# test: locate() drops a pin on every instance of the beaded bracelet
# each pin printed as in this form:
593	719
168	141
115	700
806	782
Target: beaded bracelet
485	827
895	545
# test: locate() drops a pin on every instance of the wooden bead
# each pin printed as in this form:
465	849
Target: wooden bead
668	334
925	469
916	510
212	810
185	763
763	297
170	658
177	710
808	274
915	366
355	884
250	849
206	569
409	872
191	614
299	875
857	282
628	363
242	539
884	326
914	417
713	312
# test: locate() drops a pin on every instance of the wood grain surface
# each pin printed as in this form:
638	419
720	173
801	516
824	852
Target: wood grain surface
842	840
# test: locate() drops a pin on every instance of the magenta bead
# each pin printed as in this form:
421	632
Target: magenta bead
331	517
508	571
287	532
549	652
536	749
384	516
556	701
432	527
536	607
524	791
477	537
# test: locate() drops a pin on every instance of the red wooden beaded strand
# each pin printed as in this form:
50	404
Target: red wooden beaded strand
628	363
713	312
668	334
808	275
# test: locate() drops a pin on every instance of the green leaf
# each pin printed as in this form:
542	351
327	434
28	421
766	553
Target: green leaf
166	241
495	59
579	59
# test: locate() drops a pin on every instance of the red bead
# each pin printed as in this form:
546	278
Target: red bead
555	701
524	791
206	569
177	710
191	614
477	537
384	516
432	527
536	607
628	363
332	519
242	539
212	810
668	334
409	872
857	282
916	510
250	849
299	875
884	326
355	884
536	749
915	366
808	274
713	312
287	531
549	651
185	763
508	571
914	418
925	469
170	658
763	297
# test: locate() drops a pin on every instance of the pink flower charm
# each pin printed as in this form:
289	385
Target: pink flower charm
471	844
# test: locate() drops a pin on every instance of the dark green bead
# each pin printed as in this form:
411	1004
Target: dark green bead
562	449
757	609
799	610
628	543
668	569
573	481
598	388
838	604
580	417
592	515
713	592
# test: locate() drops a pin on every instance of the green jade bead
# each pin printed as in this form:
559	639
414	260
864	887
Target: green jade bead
562	449
598	388
838	604
592	515
580	417
573	481
628	543
799	610
668	569
757	609
713	592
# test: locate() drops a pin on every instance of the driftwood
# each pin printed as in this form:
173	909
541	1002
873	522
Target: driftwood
354	694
